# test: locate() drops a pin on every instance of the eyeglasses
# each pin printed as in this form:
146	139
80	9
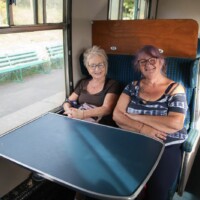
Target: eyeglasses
99	66
143	62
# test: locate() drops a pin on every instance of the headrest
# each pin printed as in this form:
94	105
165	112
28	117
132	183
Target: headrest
120	68
183	70
198	48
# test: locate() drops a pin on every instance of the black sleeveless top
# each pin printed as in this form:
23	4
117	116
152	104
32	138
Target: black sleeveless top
160	107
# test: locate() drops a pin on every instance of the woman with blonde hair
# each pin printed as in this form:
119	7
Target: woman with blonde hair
94	97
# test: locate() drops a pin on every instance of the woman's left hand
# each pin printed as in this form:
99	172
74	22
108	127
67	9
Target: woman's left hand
149	130
75	113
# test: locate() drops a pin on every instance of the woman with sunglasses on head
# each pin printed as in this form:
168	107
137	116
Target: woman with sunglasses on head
94	97
155	106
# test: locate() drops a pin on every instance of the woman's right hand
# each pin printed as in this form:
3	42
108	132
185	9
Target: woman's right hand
67	105
154	133
67	108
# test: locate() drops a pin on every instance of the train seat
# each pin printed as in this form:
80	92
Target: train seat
198	48
182	70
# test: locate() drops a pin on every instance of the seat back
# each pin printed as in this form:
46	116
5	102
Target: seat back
185	72
178	39
181	70
120	68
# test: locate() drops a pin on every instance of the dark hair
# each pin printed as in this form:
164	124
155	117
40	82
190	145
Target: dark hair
151	51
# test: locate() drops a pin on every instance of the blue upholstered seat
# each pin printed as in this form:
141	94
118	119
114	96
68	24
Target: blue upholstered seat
198	49
120	68
182	70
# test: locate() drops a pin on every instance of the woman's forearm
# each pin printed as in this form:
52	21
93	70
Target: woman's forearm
126	123
106	109
130	125
97	112
168	124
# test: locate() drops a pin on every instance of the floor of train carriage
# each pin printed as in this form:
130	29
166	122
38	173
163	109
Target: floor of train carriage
192	191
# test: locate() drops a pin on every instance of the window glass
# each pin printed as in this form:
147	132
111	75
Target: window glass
142	10
128	9
38	85
3	13
23	12
54	11
114	7
40	11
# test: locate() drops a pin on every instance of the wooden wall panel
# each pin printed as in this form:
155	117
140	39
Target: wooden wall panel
178	38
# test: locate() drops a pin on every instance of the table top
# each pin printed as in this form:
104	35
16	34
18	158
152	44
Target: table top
100	161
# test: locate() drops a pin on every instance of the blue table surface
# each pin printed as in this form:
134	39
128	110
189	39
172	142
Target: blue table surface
97	160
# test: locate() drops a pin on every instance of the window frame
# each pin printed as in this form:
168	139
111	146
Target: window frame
65	26
136	11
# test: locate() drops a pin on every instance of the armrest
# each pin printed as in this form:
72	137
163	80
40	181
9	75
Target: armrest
189	143
190	148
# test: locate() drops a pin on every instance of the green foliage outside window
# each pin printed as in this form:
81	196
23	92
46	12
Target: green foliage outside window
128	9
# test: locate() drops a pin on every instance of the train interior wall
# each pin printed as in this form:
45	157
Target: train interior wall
82	16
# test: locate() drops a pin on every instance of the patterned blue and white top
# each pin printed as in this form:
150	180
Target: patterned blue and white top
160	107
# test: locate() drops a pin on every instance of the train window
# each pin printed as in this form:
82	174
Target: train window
32	69
3	13
128	9
26	12
142	9
23	12
38	85
40	12
54	8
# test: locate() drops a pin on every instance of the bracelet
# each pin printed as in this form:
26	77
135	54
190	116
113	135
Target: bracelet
73	103
68	101
141	128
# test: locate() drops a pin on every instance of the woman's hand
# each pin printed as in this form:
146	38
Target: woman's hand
75	113
150	131
66	107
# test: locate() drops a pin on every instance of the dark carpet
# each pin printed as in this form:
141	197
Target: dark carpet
31	189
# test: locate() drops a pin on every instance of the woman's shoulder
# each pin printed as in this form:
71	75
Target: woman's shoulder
176	88
110	82
82	83
133	84
131	88
112	86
